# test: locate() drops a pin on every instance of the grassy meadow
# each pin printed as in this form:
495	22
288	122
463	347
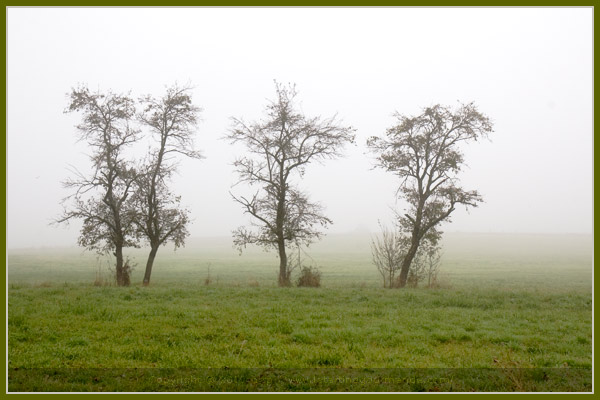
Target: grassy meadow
513	313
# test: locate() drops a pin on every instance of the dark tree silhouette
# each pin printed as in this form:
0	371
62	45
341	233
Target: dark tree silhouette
102	199
172	120
279	148
424	152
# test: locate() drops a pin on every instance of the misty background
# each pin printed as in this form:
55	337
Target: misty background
529	69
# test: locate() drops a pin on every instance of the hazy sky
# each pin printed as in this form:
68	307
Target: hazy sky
529	69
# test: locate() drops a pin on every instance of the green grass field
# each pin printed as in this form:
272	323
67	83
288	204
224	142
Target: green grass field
514	314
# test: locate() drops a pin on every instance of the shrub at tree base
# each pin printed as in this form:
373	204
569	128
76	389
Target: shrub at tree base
309	277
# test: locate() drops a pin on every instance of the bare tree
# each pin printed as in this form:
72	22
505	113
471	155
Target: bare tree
387	252
280	148
172	120
432	262
425	265
102	199
424	152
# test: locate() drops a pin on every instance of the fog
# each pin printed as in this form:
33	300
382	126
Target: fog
529	69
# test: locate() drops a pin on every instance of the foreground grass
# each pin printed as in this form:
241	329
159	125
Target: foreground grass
514	314
79	326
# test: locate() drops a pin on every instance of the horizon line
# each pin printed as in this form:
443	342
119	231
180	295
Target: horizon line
365	232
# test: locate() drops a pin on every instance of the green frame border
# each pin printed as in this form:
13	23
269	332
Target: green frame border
108	3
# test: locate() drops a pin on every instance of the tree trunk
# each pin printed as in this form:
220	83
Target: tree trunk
429	279
414	246
121	272
284	277
149	263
